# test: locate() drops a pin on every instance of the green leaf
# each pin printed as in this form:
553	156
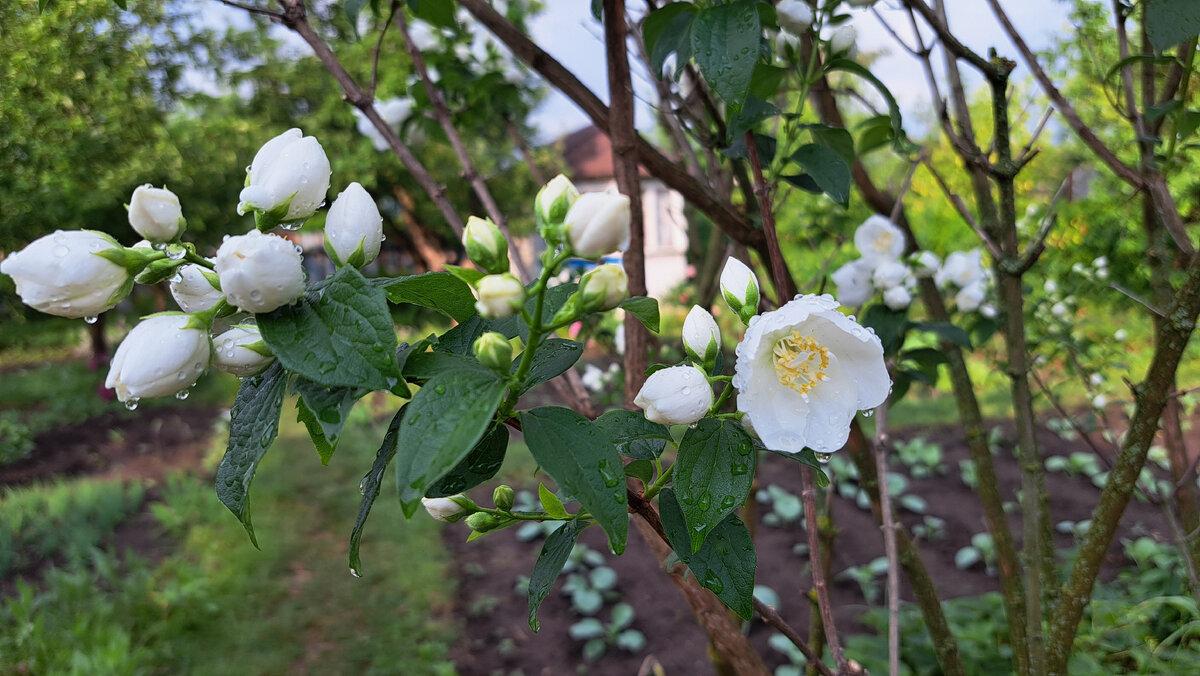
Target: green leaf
725	564
754	111
642	470
481	464
889	325
633	435
766	80
645	309
42	4
550	503
927	360
827	168
253	424
725	45
339	335
370	488
444	421
764	144
583	462
461	338
549	564
836	138
876	132
668	30
946	331
426	365
899	139
553	357
804	457
441	291
713	474
467	275
352	8
1189	120
123	4
436	12
323	411
1170	22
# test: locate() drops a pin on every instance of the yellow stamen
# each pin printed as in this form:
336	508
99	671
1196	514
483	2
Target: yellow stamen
800	362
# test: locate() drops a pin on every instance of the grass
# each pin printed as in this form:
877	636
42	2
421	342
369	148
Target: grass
215	601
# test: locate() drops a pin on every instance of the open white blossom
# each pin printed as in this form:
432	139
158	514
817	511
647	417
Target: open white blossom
970	297
802	373
890	274
897	298
853	281
927	264
879	240
962	269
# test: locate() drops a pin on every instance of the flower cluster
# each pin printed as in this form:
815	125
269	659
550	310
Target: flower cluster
883	268
83	273
797	17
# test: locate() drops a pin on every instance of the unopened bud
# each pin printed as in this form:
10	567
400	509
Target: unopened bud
701	337
155	214
499	296
503	497
494	351
485	245
482	522
603	288
598	223
551	205
739	287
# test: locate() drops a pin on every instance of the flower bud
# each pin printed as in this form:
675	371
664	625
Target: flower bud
353	228
551	205
1120	335
155	214
494	351
970	297
482	522
889	274
897	298
445	509
259	272
739	287
679	395
603	288
701	337
853	281
164	354
75	273
485	245
241	351
598	223
287	180
196	288
927	264
794	16
1099	402
503	497
844	40
499	296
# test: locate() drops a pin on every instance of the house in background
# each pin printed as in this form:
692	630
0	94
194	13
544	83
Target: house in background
588	155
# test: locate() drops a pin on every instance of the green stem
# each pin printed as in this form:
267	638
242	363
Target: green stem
536	332
193	257
659	483
725	394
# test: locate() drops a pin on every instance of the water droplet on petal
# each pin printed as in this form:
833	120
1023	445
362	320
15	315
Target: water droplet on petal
182	394
354	572
90	319
823	458
132	403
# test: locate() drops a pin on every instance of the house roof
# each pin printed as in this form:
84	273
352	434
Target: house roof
588	153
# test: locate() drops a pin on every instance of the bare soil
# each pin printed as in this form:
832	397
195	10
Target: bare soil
498	641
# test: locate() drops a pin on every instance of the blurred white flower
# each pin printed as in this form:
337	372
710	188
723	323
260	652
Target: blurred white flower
897	298
970	297
1119	335
794	16
803	371
961	268
890	274
1058	310
1050	286
853	281
1099	401
879	240
927	264
844	40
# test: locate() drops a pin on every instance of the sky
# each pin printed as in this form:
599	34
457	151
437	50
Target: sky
567	30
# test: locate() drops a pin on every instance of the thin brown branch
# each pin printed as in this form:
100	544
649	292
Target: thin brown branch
948	40
379	43
780	277
1028	151
1038	244
274	16
889	536
771	617
964	212
808	493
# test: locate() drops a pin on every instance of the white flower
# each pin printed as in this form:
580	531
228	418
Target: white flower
1101	262
897	298
927	264
603	287
485	245
367	128
1096	379
853	281
259	272
162	355
499	296
701	335
1058	310
1050	286
879	240
1102	273
598	223
423	36
1099	401
794	16
890	274
63	274
678	395
1119	335
962	268
988	310
619	340
844	39
739	288
393	111
442	508
803	371
970	297
288	178
592	378
155	214
241	351
196	288
353	228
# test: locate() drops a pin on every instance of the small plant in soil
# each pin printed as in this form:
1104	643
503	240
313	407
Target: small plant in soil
599	636
923	458
785	506
981	550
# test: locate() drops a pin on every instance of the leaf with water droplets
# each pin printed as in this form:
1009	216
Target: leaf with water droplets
369	488
725	45
444	422
331	336
439	291
549	564
323	410
582	460
713	474
253	421
552	358
481	464
725	564
633	435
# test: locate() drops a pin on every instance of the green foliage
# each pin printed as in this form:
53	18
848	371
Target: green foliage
725	45
16	439
725	563
1170	22
713	474
549	564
